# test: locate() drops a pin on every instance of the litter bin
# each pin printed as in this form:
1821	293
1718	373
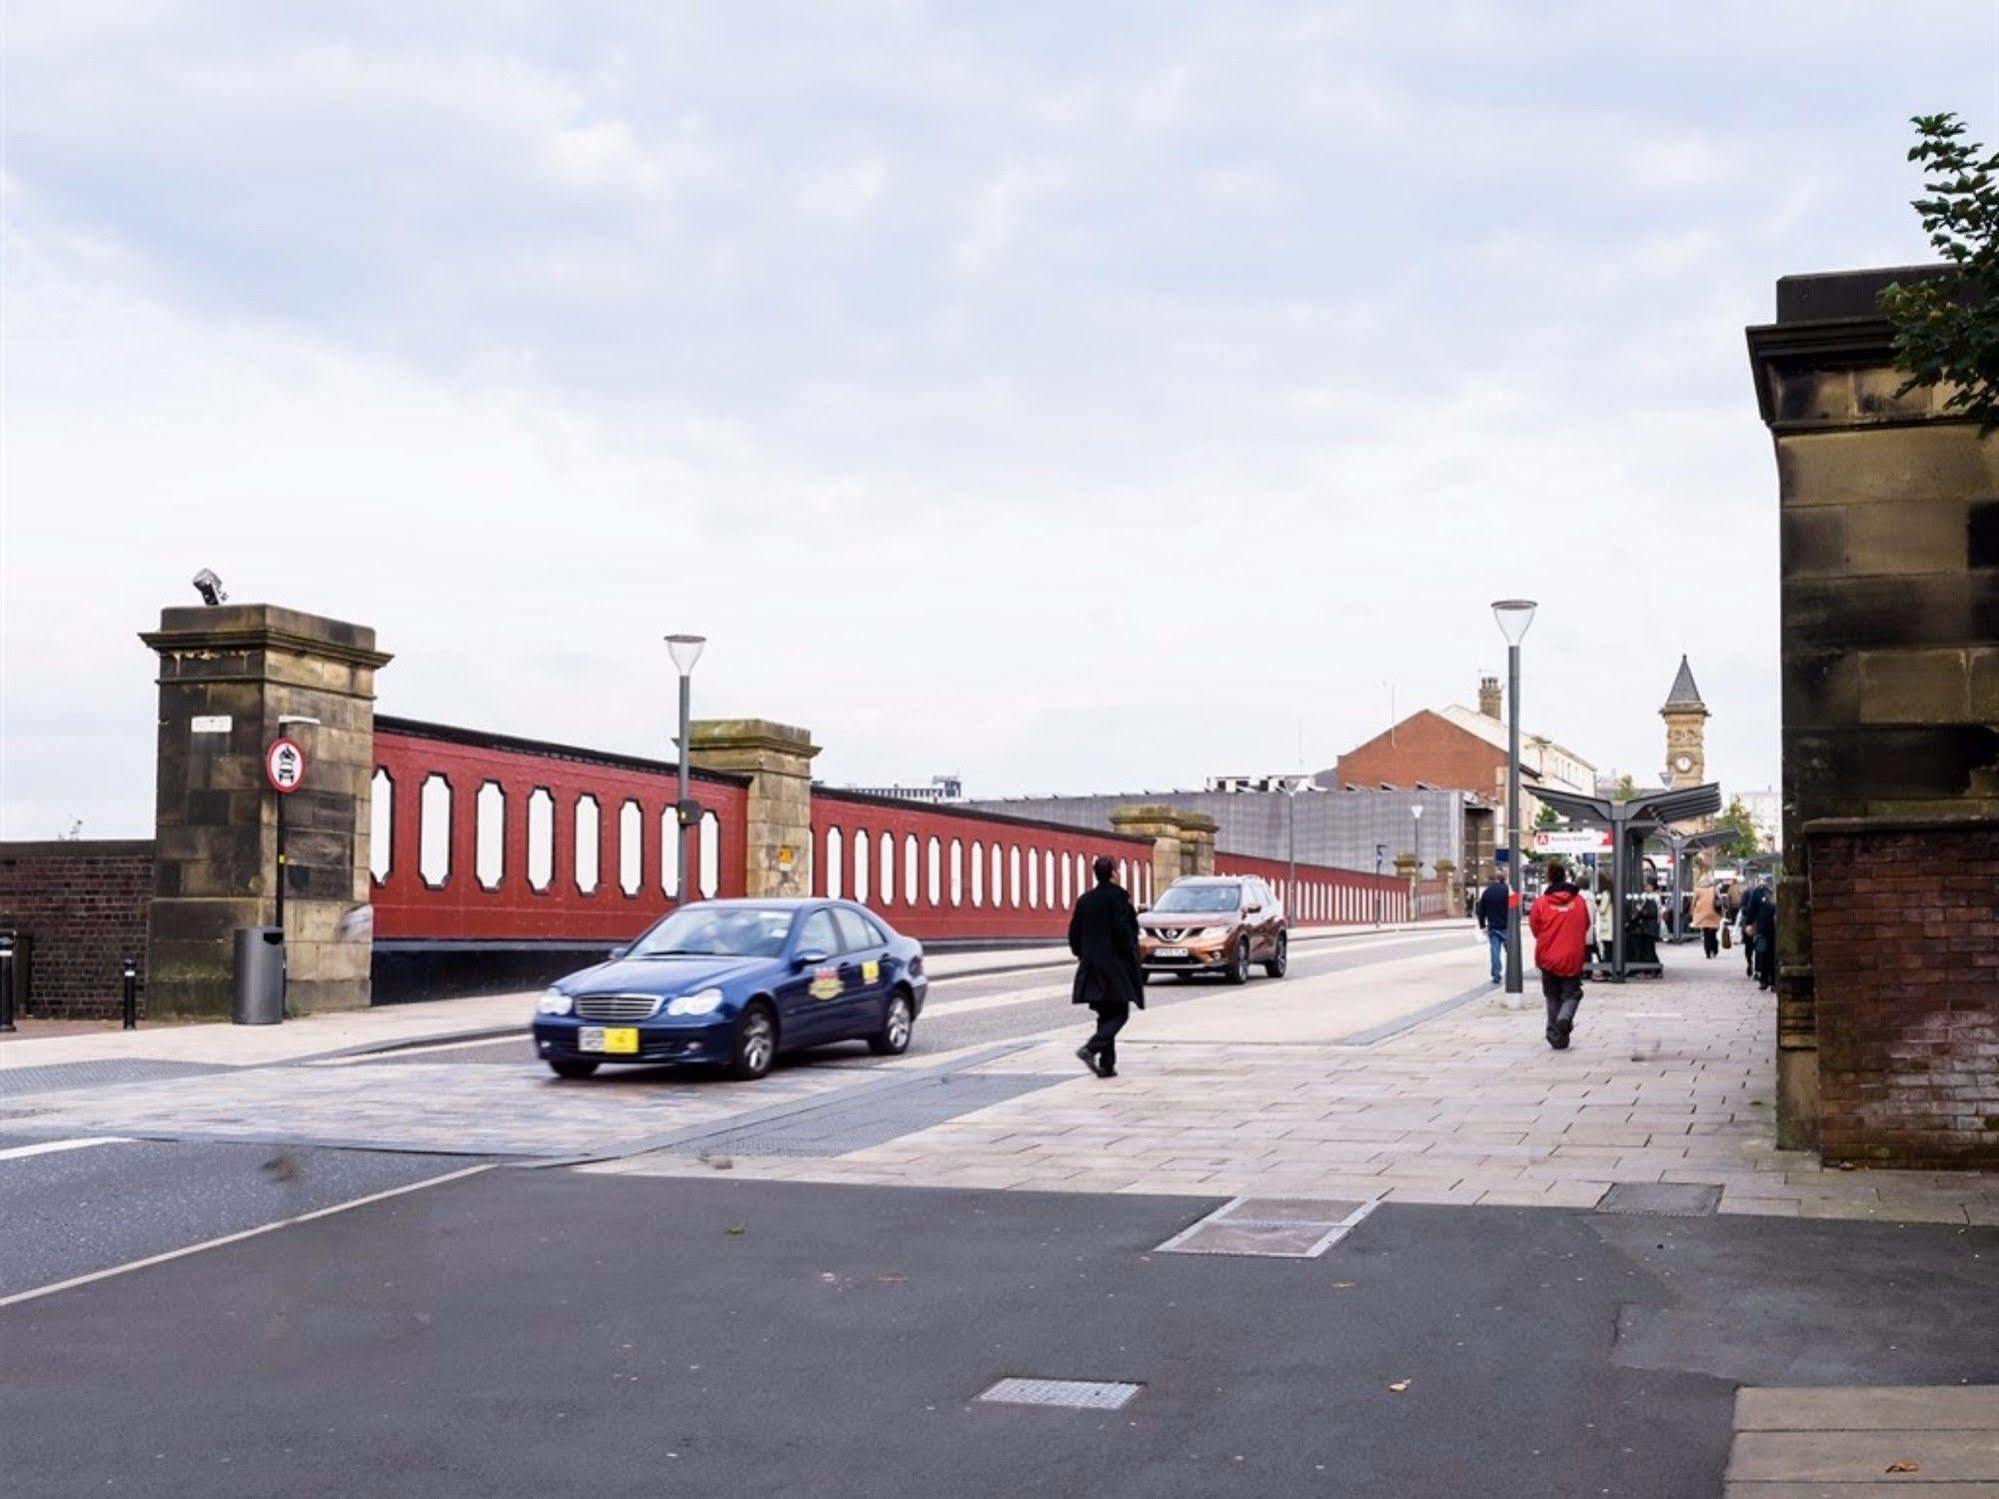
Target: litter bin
259	998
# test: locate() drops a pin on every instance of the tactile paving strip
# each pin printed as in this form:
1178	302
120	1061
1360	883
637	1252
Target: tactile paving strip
1070	1394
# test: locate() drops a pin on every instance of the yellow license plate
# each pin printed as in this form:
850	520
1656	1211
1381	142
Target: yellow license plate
613	1040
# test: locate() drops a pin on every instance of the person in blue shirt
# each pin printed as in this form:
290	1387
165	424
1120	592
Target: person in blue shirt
1494	915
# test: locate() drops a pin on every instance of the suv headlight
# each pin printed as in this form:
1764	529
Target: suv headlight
700	1002
554	1002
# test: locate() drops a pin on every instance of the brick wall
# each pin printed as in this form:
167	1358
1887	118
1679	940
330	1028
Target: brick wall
1905	942
1426	747
85	908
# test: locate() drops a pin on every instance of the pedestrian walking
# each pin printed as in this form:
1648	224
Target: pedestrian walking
1707	917
1103	934
1495	918
1560	920
1752	905
1766	943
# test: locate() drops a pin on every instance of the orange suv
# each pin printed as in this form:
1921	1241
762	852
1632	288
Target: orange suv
1215	924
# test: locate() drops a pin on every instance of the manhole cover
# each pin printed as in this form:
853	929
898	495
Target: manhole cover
1285	1228
1070	1394
1660	1200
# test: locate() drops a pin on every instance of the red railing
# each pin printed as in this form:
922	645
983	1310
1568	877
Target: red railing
1430	898
483	836
935	873
1324	896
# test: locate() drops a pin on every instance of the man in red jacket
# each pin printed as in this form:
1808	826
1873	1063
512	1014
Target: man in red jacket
1561	923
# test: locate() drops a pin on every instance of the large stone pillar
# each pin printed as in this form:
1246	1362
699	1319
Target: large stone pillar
1888	527
1162	825
778	760
1409	869
1197	843
227	675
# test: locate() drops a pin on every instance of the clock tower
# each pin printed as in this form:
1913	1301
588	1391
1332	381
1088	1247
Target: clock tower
1686	731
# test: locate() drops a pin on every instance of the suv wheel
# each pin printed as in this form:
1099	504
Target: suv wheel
1239	961
1281	959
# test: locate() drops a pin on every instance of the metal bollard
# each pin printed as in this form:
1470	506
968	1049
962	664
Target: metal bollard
131	995
7	985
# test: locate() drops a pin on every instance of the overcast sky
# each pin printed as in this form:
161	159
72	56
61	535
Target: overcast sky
1075	397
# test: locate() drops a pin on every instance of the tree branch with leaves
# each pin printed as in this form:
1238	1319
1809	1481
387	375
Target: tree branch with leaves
1947	327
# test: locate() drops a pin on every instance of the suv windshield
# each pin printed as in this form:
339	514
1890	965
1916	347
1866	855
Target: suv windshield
1200	898
718	932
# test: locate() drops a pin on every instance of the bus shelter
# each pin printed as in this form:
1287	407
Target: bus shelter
1682	847
1647	815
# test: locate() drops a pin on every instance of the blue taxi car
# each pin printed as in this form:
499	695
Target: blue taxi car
732	983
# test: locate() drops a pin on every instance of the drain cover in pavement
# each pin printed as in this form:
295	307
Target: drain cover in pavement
1071	1394
1660	1200
1288	1228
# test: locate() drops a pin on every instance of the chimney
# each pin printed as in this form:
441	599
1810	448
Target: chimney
1488	696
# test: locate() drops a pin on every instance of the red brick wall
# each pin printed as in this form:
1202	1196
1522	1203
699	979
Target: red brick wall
1905	951
1427	747
84	906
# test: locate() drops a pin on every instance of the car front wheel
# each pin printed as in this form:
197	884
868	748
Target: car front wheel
1239	962
756	1045
571	1067
898	1020
1281	959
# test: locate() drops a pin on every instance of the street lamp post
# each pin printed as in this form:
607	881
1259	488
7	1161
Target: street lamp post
1513	616
685	650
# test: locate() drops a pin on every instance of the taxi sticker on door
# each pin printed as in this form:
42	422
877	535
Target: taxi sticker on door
825	983
870	971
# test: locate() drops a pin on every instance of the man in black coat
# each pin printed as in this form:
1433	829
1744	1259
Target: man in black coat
1103	934
1759	896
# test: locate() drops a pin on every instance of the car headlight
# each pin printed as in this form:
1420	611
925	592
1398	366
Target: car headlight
554	1002
700	1002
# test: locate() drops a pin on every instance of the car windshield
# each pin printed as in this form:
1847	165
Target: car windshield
718	932
1199	898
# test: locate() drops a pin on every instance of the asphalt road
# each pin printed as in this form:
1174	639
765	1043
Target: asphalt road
70	1212
543	1332
1044	998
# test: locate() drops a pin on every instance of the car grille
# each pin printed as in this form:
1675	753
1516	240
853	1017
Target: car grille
1173	933
616	1007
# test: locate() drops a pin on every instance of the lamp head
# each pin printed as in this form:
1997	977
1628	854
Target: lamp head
685	650
1514	616
209	587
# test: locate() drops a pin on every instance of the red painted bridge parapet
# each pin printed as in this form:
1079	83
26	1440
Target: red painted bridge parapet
973	876
478	836
1324	896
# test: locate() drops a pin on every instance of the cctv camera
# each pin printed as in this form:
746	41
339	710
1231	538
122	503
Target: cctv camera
209	587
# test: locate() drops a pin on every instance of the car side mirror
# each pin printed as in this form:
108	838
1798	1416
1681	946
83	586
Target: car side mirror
808	957
618	952
1255	906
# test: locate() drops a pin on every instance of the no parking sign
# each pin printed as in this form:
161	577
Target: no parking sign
284	766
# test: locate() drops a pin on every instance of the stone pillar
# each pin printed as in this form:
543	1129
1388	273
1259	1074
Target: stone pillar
1888	555
227	674
1197	843
1454	896
1409	869
778	760
1162	825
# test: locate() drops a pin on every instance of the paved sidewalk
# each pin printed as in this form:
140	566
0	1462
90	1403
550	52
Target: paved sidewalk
1669	1082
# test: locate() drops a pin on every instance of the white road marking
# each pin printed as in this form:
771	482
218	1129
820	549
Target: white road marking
48	1147
236	1238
